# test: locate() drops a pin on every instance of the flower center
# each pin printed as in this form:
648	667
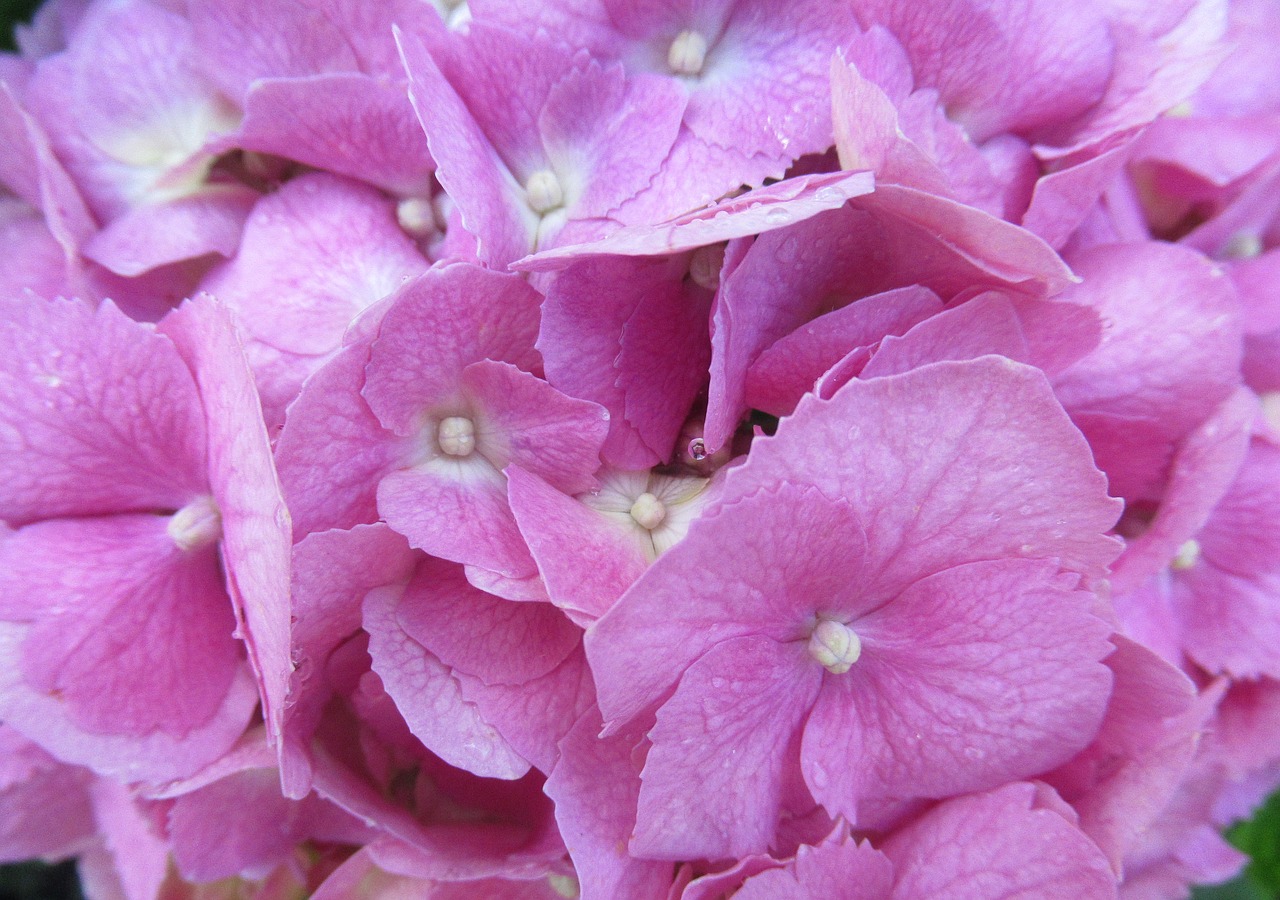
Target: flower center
705	265
1187	556
648	511
835	646
417	216
196	525
543	191
687	54
456	436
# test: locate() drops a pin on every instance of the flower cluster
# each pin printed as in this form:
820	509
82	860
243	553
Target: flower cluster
642	450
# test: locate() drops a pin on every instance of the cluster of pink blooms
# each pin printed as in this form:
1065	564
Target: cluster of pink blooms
639	449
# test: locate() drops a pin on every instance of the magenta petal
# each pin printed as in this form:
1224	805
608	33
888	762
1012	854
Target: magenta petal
115	596
788	369
100	414
44	804
838	867
495	640
523	420
332	572
154	235
1202	471
256	541
972	677
764	566
742	701
470	170
155	756
1020	837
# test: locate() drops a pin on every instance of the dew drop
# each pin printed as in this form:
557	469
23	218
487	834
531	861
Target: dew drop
698	449
777	216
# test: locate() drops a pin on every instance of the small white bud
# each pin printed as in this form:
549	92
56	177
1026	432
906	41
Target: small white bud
648	511
1187	556
835	646
456	436
543	191
197	524
687	54
417	216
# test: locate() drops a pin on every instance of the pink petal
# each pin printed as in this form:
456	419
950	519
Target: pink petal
429	697
975	676
101	415
744	699
256	540
965	495
756	211
595	786
1017	839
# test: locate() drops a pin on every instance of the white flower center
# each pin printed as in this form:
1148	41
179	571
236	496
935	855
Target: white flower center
648	511
196	525
835	646
1187	556
543	191
687	54
417	216
456	436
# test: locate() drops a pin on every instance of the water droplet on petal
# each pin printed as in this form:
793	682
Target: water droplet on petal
698	449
